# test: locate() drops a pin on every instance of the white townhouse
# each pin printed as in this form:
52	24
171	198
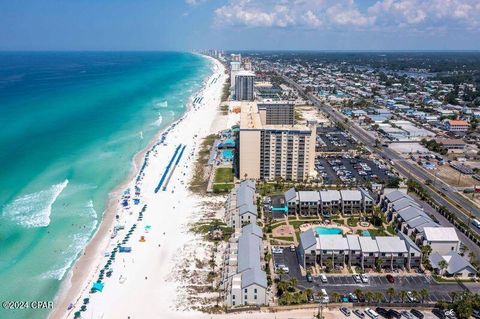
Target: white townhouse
240	207
442	240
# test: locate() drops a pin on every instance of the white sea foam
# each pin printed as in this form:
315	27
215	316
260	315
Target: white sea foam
78	242
160	104
159	120
33	210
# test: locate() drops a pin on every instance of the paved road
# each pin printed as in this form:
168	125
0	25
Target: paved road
456	204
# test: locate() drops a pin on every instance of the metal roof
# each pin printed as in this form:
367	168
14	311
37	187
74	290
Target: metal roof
330	195
387	244
290	195
332	242
353	195
308	239
455	262
308	196
368	244
441	234
254	276
353	242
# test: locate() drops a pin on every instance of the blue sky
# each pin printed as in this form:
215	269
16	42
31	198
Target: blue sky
240	24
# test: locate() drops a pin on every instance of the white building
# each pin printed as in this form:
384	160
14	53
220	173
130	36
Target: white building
442	240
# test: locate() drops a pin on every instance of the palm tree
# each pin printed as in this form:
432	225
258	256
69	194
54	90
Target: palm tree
403	295
309	293
416	294
378	296
443	264
391	293
293	282
358	292
424	294
378	263
369	296
453	295
335	296
280	272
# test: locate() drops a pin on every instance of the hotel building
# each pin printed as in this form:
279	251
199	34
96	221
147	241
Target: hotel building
244	82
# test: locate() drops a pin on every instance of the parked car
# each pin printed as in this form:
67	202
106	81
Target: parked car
345	311
371	313
357	279
352	297
309	277
417	313
359	313
277	250
323	278
292	248
392	313
364	278
410	297
406	314
324	296
390	279
382	312
439	313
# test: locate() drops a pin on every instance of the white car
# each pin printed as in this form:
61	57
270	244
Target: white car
364	278
371	313
323	278
357	279
410	297
277	250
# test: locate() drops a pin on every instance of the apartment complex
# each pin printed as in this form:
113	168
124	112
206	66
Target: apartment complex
269	151
277	112
358	251
244	280
328	202
456	126
244	81
240	208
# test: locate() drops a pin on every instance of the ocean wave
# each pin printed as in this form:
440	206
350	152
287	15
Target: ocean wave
78	243
159	120
160	104
33	210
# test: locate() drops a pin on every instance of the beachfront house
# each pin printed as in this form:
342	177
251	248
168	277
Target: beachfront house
240	207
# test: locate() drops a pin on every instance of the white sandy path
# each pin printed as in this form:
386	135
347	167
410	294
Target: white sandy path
167	213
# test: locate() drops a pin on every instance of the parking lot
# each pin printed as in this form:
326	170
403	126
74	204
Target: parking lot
344	284
333	140
347	169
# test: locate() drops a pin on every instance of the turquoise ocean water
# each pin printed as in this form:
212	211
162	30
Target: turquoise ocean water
70	126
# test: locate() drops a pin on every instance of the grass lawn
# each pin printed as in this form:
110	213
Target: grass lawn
352	221
286	238
222	188
223	175
296	223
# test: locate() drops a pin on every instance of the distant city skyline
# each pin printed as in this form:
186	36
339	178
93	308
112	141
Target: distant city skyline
350	25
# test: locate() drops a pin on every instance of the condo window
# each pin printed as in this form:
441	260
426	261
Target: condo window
255	291
245	290
233	297
245	298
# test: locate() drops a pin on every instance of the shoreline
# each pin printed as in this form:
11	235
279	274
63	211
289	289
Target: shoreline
86	266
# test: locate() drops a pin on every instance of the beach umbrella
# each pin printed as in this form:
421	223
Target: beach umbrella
77	314
83	308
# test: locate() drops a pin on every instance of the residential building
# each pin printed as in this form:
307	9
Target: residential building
441	239
248	284
277	112
268	152
240	207
456	265
244	81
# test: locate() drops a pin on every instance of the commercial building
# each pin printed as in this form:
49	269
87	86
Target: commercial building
274	151
456	126
244	81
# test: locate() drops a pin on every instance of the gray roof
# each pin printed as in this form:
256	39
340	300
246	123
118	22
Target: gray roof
290	195
254	276
333	242
409	242
330	195
388	244
456	263
441	234
403	203
253	229
366	194
353	195
395	195
368	244
248	208
308	239
410	212
353	242
245	193
248	252
308	196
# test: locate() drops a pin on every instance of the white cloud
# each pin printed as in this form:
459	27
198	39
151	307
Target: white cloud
194	2
349	14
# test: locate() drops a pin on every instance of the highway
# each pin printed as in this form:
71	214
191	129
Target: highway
453	201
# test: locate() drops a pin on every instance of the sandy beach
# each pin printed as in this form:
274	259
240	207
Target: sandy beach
142	284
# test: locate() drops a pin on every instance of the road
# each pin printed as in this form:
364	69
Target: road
453	201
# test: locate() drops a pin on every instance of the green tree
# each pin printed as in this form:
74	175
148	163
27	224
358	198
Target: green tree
378	296
391	293
423	294
335	296
443	264
403	295
369	296
379	263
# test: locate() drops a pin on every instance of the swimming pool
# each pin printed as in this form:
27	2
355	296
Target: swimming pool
366	233
328	231
227	154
